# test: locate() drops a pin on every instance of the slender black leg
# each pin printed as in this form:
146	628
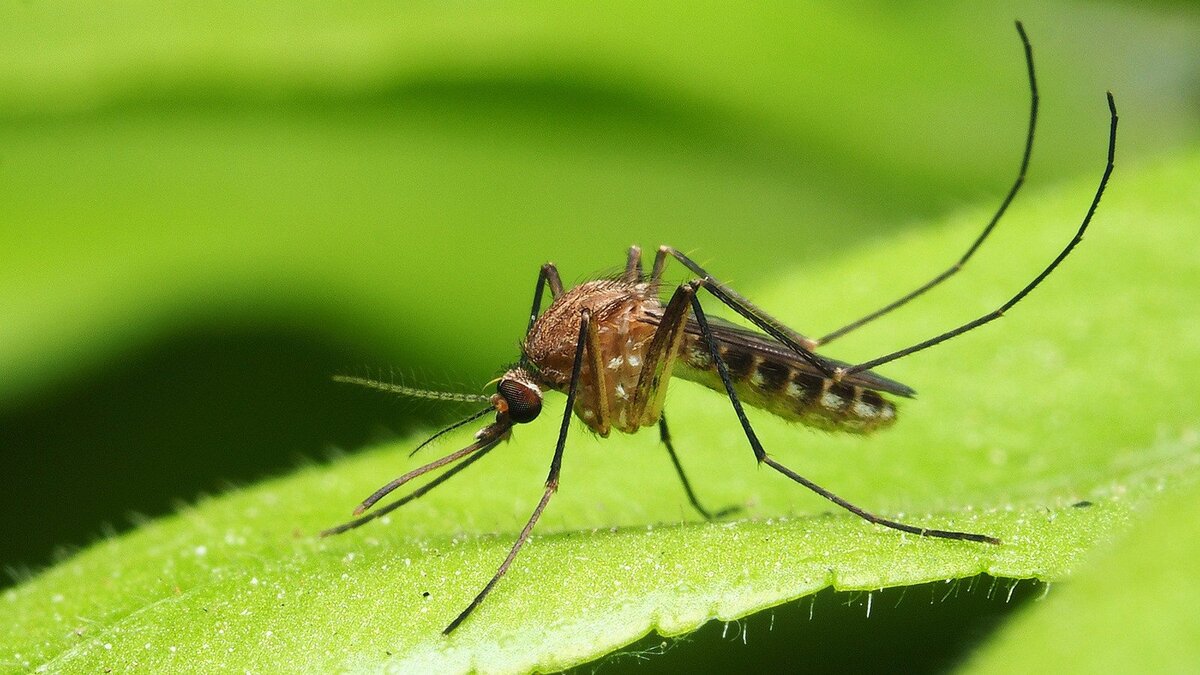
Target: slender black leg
762	456
665	435
547	276
870	517
802	346
1012	192
551	479
999	312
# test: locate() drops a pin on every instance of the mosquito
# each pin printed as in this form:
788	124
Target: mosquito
612	344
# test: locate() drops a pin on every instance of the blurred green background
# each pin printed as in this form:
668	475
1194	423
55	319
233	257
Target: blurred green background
207	209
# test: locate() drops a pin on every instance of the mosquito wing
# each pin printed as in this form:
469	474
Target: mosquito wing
738	336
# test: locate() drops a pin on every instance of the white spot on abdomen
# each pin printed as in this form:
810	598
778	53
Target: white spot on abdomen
831	400
864	409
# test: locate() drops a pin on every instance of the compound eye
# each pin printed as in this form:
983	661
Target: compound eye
524	401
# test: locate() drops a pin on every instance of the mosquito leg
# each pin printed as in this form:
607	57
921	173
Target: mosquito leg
551	479
603	420
1012	192
547	275
999	312
762	456
633	266
665	435
802	346
660	262
659	357
870	517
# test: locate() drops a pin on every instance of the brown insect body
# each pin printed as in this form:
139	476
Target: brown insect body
621	313
612	345
765	373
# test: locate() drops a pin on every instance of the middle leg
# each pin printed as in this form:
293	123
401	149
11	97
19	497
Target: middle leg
665	435
761	454
656	371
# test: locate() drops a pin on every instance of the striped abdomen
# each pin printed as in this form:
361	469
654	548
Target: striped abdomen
786	388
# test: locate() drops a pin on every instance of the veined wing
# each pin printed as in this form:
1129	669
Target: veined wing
733	334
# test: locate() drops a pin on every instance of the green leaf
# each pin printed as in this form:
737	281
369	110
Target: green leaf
1098	623
1074	396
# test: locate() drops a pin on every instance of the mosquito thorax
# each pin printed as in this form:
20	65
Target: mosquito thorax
518	397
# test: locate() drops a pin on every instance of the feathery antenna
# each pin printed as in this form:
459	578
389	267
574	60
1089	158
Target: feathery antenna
413	392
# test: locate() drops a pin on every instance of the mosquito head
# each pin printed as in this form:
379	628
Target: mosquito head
518	398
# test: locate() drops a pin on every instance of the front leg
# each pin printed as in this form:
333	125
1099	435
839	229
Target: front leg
547	276
551	478
633	266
